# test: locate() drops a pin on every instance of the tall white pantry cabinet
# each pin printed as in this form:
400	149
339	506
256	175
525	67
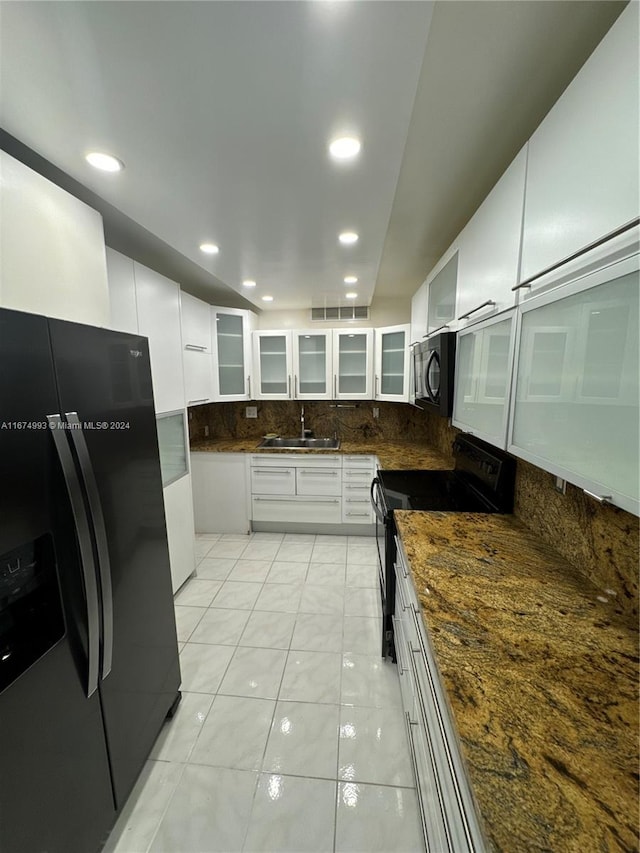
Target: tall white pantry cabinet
146	303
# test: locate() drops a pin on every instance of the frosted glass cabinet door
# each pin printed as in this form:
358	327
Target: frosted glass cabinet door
443	287
272	365
230	351
391	375
312	365
353	374
484	359
575	407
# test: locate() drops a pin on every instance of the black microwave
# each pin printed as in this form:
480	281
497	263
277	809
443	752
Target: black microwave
433	370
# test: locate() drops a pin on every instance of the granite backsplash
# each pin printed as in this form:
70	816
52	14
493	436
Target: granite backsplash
601	542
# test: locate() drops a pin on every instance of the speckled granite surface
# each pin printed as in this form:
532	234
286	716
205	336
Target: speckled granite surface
392	454
541	672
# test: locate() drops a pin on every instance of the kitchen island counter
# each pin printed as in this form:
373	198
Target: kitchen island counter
540	669
392	454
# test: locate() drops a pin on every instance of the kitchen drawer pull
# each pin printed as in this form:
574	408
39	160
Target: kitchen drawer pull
358	472
358	488
296	501
195	348
271	471
368	514
599	242
357	501
318	471
473	310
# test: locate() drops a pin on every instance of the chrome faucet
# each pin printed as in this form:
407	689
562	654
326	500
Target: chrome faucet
302	422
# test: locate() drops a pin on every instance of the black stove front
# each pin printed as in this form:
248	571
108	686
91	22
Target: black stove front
482	481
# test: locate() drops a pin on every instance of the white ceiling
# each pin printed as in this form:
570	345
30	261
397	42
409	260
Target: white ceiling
222	111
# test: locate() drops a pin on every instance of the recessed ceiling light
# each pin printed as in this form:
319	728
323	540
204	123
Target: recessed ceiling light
351	295
348	237
104	162
267	298
350	279
248	283
344	148
209	248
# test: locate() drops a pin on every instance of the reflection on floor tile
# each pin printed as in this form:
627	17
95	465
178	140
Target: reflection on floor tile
377	820
292	815
290	734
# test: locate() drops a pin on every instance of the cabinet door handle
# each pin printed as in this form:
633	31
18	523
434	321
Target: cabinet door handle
295	385
602	499
335	383
289	385
319	471
271	470
249	387
375	389
439	329
615	233
297	500
193	402
473	310
195	348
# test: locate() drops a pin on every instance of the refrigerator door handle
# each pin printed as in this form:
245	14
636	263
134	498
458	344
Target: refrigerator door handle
97	517
81	520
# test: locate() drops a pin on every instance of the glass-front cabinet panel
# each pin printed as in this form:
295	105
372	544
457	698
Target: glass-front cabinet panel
352	355
441	309
484	361
575	407
272	365
391	376
312	365
172	445
232	341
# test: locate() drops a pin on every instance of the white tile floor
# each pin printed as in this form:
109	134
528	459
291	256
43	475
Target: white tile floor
290	734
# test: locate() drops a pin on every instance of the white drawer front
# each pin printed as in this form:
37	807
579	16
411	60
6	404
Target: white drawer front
273	481
325	510
361	476
318	481
356	491
356	461
356	511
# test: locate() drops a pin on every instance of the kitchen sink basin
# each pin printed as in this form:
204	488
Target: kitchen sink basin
301	443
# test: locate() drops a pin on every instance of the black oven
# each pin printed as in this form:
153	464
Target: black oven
433	371
482	481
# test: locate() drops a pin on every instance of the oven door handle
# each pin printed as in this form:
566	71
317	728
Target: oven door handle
375	484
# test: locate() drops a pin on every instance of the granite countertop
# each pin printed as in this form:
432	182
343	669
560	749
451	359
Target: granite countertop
392	454
541	673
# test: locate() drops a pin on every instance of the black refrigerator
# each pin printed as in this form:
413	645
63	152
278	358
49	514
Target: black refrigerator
88	650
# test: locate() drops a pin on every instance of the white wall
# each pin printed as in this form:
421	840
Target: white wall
52	252
383	312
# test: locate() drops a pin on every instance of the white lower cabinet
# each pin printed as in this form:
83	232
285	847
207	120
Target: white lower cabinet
220	492
305	489
178	509
447	812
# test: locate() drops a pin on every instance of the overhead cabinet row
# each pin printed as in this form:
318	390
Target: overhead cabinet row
570	191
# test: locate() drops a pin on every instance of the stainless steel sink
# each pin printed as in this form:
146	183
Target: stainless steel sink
301	443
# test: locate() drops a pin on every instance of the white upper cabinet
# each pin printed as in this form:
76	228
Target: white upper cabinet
196	324
489	256
391	371
52	256
484	362
312	363
352	364
273	365
582	175
419	303
158	306
122	293
575	400
232	328
442	285
196	349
